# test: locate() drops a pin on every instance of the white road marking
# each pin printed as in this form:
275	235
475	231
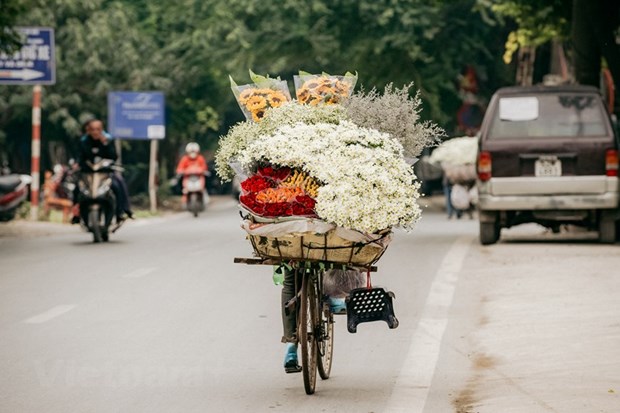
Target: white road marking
414	381
49	314
140	272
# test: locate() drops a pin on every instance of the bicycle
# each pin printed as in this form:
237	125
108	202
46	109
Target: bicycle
315	320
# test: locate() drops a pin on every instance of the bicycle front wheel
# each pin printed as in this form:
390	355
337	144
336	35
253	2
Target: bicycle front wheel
325	341
324	330
306	329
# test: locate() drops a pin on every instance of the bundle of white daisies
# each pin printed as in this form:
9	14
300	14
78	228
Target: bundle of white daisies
456	151
366	184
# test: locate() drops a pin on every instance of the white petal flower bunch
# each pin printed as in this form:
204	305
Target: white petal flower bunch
243	133
456	151
366	183
355	151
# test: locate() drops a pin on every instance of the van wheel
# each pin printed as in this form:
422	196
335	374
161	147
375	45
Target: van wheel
606	229
489	232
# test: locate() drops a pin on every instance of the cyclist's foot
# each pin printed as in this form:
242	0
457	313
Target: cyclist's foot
291	364
337	305
75	220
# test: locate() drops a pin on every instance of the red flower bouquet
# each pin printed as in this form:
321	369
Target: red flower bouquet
279	192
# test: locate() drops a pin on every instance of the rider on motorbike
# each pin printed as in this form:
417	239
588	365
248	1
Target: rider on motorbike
97	143
192	162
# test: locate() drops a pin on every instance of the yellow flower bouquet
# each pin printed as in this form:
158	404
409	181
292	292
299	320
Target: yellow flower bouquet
265	93
324	88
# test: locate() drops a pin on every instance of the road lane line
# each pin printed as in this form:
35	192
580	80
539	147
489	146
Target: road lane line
140	272
49	314
414	381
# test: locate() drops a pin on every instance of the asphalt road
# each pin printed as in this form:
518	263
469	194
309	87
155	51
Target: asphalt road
161	320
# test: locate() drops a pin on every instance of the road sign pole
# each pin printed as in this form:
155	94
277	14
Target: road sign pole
36	152
152	173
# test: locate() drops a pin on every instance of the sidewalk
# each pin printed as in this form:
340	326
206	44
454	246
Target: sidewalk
547	333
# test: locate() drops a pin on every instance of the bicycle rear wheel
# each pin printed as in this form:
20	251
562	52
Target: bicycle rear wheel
308	312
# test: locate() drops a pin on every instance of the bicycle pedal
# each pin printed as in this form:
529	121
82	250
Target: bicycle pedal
370	304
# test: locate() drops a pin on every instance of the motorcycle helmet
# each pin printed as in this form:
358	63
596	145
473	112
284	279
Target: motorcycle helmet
192	149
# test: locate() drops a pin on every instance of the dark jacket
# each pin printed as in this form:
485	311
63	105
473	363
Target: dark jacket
91	148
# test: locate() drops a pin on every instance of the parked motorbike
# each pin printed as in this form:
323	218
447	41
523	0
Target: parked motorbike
64	181
13	191
96	199
195	196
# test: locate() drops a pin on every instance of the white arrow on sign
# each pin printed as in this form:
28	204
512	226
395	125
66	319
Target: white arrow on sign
23	74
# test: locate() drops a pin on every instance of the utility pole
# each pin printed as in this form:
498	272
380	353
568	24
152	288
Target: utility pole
36	153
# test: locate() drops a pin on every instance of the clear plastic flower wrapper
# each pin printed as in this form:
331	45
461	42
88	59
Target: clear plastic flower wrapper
324	88
256	98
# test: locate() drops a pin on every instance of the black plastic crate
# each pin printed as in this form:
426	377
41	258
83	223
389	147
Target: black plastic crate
370	304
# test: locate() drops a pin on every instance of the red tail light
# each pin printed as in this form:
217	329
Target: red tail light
484	166
611	162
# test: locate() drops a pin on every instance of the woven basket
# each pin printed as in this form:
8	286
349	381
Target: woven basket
327	247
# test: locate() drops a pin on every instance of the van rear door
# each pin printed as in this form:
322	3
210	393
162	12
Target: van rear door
548	134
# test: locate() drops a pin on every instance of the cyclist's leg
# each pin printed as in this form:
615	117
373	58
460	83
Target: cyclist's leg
289	321
289	324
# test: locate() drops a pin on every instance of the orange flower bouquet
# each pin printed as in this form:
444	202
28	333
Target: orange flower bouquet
314	89
265	93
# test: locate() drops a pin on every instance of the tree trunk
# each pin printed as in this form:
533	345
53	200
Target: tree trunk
594	23
525	65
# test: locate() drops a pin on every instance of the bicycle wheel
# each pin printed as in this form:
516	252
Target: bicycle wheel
305	329
325	341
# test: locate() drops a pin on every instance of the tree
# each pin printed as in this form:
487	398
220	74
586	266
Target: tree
590	25
9	38
188	48
593	35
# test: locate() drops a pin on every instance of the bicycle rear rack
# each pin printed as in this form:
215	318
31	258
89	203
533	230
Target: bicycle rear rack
370	304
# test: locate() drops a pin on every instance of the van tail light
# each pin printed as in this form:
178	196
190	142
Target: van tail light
484	166
611	162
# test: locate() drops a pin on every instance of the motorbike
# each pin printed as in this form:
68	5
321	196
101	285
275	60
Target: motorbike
96	199
13	191
64	180
195	196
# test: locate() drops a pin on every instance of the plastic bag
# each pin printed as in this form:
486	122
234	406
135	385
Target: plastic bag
473	195
338	283
460	197
460	174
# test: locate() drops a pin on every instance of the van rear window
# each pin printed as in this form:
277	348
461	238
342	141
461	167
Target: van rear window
562	115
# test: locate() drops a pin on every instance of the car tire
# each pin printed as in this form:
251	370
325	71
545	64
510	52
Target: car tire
489	227
606	229
489	233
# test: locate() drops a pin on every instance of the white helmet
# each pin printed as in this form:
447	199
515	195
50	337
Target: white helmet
192	148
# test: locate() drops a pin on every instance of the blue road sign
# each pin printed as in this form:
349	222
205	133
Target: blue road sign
34	63
136	115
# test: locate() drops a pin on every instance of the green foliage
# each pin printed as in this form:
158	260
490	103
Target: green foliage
10	11
539	21
188	48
